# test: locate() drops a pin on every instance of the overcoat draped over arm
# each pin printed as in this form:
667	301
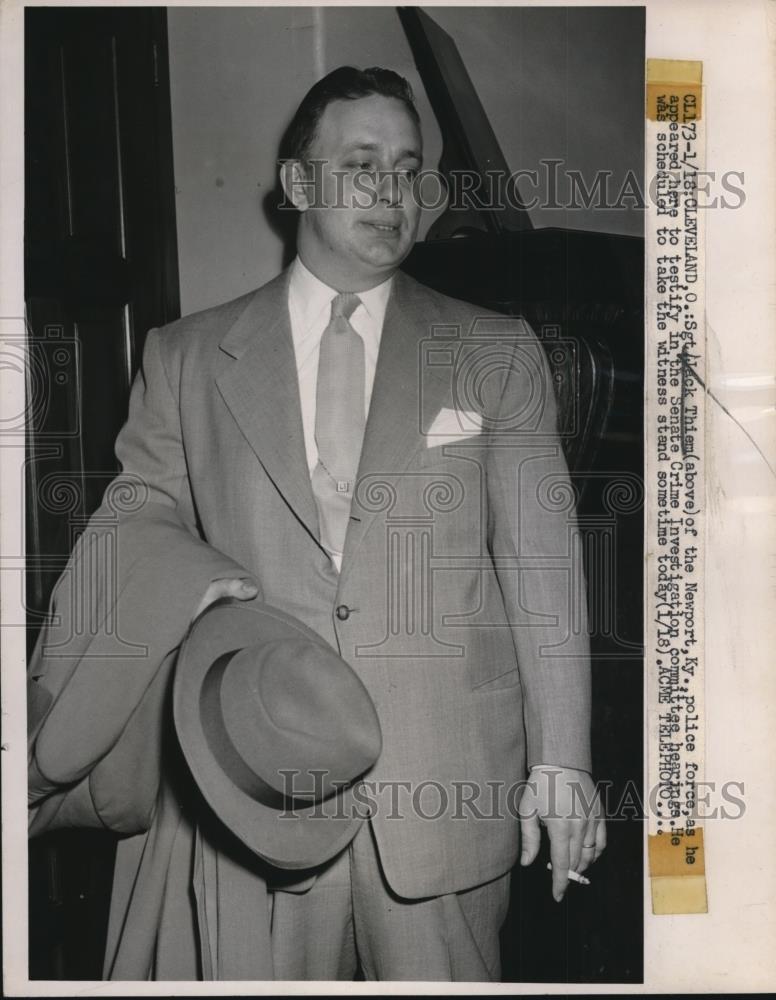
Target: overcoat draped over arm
101	744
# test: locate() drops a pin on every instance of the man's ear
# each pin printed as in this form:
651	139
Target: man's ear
295	184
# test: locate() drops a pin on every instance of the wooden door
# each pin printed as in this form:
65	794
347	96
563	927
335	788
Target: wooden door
100	270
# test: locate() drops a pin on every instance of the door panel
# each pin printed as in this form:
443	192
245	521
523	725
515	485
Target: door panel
100	270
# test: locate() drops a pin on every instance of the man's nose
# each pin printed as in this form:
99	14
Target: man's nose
389	191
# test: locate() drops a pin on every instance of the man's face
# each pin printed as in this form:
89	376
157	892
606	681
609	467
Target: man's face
362	219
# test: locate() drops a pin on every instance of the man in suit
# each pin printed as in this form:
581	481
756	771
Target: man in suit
382	462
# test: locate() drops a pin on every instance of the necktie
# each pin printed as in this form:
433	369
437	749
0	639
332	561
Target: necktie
339	422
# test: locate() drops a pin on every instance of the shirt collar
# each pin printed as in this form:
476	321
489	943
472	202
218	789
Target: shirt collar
311	296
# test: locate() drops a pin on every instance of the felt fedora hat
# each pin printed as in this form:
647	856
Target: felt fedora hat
276	729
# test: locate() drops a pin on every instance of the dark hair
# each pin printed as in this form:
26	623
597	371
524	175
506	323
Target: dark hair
343	84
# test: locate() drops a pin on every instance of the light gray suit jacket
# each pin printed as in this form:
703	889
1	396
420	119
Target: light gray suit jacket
460	602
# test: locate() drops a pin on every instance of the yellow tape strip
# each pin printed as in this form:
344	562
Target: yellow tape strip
679	895
677	869
676	854
675	70
674	88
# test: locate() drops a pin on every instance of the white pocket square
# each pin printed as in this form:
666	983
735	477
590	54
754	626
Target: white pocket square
453	425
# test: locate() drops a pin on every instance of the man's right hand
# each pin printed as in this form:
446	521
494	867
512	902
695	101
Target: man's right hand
241	588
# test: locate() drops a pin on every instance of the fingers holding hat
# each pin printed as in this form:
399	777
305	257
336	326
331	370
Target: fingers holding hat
240	588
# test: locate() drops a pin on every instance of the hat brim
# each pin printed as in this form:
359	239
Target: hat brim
296	837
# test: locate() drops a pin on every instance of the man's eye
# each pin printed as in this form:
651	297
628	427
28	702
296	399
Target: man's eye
363	165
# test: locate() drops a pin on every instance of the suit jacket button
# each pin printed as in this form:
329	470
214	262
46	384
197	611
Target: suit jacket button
343	612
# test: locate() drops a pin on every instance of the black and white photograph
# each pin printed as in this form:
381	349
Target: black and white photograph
333	464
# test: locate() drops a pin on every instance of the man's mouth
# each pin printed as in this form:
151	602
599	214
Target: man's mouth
383	227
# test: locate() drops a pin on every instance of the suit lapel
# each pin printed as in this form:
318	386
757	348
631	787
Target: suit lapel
261	388
405	393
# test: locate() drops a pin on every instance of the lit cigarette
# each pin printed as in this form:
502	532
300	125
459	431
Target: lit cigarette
574	876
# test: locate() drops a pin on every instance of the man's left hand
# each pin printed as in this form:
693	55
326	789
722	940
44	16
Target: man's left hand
566	802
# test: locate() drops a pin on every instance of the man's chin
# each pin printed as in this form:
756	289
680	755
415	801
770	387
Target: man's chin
385	257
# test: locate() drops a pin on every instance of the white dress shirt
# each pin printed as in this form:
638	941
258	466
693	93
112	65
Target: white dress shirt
309	307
